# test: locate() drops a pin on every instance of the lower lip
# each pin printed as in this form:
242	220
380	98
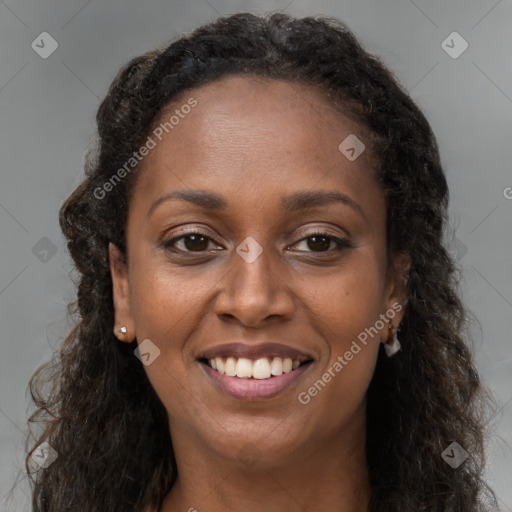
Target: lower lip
255	389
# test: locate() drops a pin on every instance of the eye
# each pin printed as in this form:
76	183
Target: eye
190	242
197	242
323	242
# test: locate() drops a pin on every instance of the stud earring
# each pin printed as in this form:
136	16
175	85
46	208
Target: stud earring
394	347
122	330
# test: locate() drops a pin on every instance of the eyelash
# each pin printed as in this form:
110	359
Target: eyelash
342	244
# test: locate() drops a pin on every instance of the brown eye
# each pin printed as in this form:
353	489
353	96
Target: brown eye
191	242
321	243
195	242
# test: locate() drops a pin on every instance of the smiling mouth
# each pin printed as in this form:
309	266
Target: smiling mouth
261	368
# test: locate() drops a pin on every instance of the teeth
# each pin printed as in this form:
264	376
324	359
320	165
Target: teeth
262	368
244	367
219	363
276	368
230	368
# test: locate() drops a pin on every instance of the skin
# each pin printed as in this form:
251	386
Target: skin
254	141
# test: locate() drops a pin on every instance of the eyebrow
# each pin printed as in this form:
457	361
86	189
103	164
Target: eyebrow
291	203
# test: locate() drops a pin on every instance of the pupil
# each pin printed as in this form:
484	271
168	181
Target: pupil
318	243
198	242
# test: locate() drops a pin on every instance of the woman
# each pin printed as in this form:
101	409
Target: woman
269	319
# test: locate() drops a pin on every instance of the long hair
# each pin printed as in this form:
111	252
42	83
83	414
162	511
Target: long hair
101	414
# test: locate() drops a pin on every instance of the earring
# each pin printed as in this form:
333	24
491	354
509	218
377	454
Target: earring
122	330
394	347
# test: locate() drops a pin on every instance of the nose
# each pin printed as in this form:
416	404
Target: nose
252	293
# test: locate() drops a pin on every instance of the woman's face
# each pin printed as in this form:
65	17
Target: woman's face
275	250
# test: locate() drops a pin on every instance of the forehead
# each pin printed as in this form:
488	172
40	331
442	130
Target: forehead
248	134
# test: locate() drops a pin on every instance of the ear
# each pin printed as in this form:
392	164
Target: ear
396	291
120	295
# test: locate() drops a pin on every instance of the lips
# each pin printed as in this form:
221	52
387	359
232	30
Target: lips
255	389
254	372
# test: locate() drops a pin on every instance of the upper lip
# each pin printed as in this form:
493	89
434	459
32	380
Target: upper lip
249	351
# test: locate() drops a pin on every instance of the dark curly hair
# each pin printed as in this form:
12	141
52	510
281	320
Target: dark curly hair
418	402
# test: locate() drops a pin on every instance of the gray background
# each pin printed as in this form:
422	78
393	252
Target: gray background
47	119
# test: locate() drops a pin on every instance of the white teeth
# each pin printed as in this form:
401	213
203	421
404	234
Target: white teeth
220	365
261	369
276	368
230	367
245	368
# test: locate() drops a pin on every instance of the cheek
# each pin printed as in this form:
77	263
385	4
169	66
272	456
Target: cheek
346	302
167	309
165	303
170	307
345	311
